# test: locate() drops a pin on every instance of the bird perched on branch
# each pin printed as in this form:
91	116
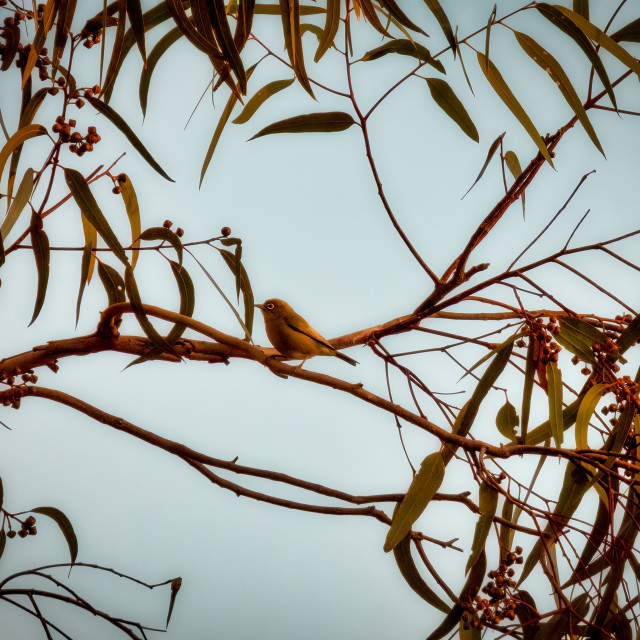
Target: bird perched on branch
293	336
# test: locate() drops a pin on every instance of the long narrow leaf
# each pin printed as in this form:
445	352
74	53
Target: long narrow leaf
121	124
587	407
447	100
92	212
40	243
488	503
332	22
19	203
133	213
436	8
17	140
555	402
506	95
65	526
331	121
492	149
260	97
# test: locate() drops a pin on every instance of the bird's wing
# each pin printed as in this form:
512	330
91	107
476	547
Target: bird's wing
304	328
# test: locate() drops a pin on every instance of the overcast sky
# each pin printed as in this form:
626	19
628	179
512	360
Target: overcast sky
314	233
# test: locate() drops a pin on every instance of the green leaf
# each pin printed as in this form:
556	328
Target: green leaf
506	95
628	33
513	164
600	37
44	25
487	37
554	376
40	243
92	212
371	17
19	203
290	15
65	526
164	235
112	282
117	121
145	324
527	387
547	62
224	117
134	11
66	11
488	504
87	257
543	431
332	22
563	23
309	122
261	96
447	100
397	14
404	47
130	200
436	8
409	571
423	487
629	336
587	407
242	281
154	57
469	592
507	420
492	149
579	337
117	51
17	140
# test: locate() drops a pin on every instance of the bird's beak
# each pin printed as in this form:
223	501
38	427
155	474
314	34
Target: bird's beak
259	306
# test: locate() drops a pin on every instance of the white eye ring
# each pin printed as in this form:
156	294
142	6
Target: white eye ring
270	306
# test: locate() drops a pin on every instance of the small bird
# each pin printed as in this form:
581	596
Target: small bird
293	336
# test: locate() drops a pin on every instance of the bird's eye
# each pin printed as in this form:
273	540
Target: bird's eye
270	306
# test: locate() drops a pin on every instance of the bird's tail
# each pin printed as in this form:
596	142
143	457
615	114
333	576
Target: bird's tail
351	361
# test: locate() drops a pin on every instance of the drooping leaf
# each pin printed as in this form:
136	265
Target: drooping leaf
554	377
42	30
134	11
507	420
563	23
487	36
112	283
436	8
242	281
527	387
371	16
513	164
600	37
587	407
423	487
40	243
164	235
176	583
547	62
130	200
310	122
488	503
527	613
260	97
117	52
117	121
397	14
19	203
332	22
409	571
447	100
65	526
405	48
92	212
222	121
244	22
156	53
66	11
87	259
290	15
506	95
150	331
469	591
492	149
17	140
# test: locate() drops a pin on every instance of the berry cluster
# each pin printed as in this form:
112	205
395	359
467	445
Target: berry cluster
542	333
28	528
502	599
78	143
11	397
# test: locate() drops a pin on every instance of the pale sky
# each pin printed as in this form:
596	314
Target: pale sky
315	234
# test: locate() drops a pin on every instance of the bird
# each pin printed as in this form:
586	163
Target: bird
293	336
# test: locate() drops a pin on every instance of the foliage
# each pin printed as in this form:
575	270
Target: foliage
592	577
